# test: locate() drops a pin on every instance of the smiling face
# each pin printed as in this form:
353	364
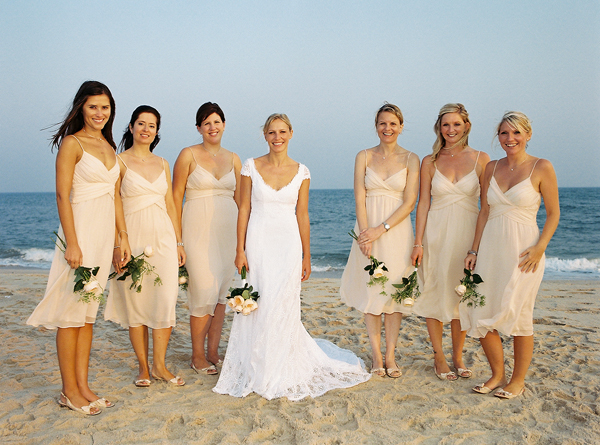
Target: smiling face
212	129
388	127
278	135
453	128
512	139
144	129
96	112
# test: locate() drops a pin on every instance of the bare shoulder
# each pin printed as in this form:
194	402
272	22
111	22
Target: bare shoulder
484	158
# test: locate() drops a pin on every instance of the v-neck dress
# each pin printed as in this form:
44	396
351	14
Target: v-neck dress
509	293
448	236
209	224
394	247
269	351
93	203
148	224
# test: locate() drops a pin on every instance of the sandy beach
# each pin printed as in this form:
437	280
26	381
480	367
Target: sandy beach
561	404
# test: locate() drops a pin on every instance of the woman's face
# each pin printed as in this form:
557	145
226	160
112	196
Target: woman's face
278	136
144	129
212	129
512	139
388	127
453	128
96	112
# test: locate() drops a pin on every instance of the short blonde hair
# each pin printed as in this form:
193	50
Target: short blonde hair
437	128
275	116
516	120
390	108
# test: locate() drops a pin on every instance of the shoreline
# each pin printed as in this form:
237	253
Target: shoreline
560	404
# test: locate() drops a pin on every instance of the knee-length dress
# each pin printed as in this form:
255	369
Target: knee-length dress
93	203
269	351
509	293
394	247
209	224
448	236
148	224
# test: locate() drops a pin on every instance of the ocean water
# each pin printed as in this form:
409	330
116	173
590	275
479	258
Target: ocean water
28	219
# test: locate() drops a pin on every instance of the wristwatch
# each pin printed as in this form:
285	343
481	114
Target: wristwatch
386	226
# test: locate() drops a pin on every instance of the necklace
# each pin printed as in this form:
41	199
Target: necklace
100	139
215	153
140	157
392	152
513	169
448	150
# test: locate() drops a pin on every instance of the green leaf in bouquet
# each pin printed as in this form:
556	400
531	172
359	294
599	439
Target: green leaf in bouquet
78	285
244	271
95	270
477	279
467	272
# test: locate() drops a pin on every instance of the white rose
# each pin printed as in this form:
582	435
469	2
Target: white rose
246	311
238	308
252	305
460	289
148	251
182	280
247	302
378	273
230	303
408	301
238	300
92	286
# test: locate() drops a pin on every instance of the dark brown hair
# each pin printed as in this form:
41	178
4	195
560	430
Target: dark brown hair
127	139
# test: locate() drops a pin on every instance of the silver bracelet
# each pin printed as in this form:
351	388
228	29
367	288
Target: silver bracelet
122	231
418	245
116	247
179	244
472	252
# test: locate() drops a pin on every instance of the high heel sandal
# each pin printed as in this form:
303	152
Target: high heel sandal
87	409
450	376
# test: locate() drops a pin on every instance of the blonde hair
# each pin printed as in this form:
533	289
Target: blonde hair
516	120
437	128
390	108
275	116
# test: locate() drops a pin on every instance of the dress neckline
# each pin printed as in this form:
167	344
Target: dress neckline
272	188
516	185
389	177
213	176
145	179
103	164
446	178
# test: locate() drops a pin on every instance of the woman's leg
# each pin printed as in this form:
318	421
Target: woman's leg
391	325
373	323
436	332
82	360
160	341
139	340
199	327
66	349
523	353
492	347
458	343
214	334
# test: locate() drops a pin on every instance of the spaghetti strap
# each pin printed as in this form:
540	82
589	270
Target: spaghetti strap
192	151
534	167
78	141
119	156
365	158
163	163
477	160
232	161
495	165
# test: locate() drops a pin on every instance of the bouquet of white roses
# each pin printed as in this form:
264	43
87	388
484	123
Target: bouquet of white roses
467	289
184	277
137	267
375	268
86	285
243	299
407	291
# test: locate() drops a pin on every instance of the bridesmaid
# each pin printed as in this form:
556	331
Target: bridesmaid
209	176
445	224
152	220
508	253
386	181
86	176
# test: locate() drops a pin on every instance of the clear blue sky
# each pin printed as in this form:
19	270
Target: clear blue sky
328	64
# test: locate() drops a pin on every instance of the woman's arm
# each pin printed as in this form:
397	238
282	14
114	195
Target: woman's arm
427	171
484	183
304	226
242	222
548	187
181	171
68	156
360	198
410	198
122	251
237	168
175	217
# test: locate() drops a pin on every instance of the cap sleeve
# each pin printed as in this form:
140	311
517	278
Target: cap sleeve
246	167
305	172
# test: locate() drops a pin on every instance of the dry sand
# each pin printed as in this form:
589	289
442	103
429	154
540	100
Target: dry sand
560	406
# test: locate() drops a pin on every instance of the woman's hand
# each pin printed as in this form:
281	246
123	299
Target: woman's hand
366	249
371	234
533	256
124	251
306	268
241	261
417	256
470	261
73	255
181	255
116	261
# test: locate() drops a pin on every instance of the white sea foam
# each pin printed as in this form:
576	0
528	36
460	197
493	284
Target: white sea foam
33	257
576	265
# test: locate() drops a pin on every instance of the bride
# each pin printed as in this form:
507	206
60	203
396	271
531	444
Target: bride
269	351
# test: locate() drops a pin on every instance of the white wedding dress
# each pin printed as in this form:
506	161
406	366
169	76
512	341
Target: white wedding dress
269	351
